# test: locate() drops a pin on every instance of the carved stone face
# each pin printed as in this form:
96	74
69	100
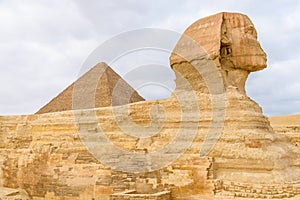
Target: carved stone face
242	48
230	40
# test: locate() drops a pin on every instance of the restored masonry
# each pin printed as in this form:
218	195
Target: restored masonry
43	156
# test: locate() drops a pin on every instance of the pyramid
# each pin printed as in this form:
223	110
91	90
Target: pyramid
101	86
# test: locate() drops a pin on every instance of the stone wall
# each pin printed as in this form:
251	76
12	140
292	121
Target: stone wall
265	191
132	195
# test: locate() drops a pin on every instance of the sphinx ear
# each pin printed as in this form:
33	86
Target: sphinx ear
226	45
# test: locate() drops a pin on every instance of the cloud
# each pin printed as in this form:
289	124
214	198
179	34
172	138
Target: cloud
44	44
41	51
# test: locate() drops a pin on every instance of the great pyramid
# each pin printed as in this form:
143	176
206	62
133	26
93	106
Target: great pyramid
106	86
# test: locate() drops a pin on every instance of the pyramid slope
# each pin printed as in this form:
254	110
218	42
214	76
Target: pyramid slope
99	87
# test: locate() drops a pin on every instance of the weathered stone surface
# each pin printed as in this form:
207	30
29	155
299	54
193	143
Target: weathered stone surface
57	164
102	83
132	195
45	155
229	40
13	194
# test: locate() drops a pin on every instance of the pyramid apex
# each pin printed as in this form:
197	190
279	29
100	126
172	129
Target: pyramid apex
93	89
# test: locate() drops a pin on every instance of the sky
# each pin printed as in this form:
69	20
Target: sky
45	43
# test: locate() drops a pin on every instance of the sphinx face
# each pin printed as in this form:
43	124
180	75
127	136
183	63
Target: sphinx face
230	39
246	52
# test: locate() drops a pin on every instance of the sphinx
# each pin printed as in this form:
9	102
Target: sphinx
208	140
248	151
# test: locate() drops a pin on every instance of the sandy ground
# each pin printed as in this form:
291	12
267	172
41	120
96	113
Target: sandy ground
287	120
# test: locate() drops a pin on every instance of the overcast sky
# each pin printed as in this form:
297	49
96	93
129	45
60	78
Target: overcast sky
45	43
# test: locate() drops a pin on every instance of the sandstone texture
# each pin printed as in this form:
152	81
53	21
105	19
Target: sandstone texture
13	194
101	82
207	141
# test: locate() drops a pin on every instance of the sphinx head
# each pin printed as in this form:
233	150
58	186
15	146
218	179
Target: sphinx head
230	40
